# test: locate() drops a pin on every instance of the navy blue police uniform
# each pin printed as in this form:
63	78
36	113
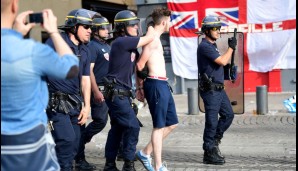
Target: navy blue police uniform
215	100
66	132
124	123
100	51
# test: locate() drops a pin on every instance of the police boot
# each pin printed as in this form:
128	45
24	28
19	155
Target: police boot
120	157
217	142
212	157
129	166
110	166
82	164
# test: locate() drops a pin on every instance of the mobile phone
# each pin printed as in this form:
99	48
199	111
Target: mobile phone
35	18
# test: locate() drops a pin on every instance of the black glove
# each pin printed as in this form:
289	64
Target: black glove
232	42
144	73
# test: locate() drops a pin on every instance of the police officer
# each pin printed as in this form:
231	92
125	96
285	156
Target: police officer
211	84
100	51
66	111
123	56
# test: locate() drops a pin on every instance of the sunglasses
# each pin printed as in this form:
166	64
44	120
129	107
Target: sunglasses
86	26
215	28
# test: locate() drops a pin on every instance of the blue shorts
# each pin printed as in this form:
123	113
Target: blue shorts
161	103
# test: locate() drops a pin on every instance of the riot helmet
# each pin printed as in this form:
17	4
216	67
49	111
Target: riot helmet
77	17
124	19
210	22
100	23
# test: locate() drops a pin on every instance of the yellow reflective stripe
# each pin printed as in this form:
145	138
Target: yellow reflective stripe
78	17
212	22
101	24
127	19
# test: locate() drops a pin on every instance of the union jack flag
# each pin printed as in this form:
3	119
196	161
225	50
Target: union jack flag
184	20
229	16
187	14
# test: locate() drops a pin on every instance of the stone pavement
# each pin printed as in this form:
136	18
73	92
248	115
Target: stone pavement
253	142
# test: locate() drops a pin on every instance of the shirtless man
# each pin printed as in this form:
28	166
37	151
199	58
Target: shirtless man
157	92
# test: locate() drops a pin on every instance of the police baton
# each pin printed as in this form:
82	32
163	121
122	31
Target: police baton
140	123
233	67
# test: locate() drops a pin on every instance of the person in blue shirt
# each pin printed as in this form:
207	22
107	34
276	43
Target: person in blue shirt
100	51
124	123
211	83
69	104
26	143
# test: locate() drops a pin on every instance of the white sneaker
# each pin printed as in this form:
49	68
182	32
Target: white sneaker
163	167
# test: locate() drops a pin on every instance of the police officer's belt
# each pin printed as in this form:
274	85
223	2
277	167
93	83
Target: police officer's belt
60	95
64	103
122	92
217	87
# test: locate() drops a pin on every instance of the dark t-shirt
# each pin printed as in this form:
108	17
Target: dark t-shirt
123	59
71	86
100	52
207	53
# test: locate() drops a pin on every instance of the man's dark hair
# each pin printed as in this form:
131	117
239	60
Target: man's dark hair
159	13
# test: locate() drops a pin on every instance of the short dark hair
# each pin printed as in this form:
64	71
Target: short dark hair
159	13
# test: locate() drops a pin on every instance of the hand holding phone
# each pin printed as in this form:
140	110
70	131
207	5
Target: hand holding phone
36	18
20	23
49	21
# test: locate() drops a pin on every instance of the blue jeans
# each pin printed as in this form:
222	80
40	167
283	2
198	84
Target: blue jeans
32	150
216	102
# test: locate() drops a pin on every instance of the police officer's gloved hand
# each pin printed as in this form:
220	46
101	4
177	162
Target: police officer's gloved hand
232	42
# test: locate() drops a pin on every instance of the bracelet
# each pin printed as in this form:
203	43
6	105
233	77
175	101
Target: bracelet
139	88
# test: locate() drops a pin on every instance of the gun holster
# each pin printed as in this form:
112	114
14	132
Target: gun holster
111	91
63	103
205	83
109	87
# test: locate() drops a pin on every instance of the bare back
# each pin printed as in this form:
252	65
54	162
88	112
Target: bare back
156	61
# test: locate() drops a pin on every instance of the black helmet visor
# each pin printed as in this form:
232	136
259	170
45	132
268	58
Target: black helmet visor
133	22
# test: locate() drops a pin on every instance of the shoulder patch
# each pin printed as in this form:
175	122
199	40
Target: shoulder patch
107	56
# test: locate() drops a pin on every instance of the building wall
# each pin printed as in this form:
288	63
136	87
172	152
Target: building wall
106	9
288	80
131	4
60	8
